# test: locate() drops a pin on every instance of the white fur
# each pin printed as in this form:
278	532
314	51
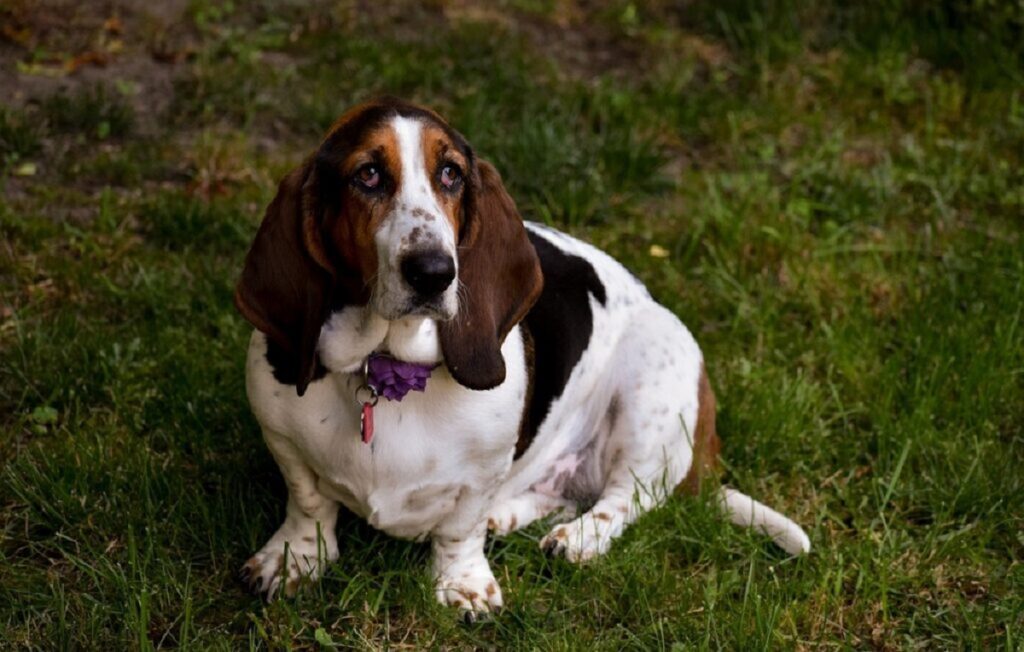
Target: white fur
744	510
440	465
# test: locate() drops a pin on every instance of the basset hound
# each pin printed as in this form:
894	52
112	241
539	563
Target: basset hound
441	368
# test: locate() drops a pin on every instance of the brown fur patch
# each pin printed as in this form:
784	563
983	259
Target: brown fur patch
601	516
439	150
706	445
352	236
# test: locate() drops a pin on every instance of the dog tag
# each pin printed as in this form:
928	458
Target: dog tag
366	423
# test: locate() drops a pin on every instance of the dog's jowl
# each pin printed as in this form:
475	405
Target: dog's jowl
506	371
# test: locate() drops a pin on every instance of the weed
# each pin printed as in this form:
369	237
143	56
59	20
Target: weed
95	112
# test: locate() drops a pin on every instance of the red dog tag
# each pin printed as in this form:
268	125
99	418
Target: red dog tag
366	423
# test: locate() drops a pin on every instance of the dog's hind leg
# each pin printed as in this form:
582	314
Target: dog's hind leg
591	535
651	412
643	466
306	541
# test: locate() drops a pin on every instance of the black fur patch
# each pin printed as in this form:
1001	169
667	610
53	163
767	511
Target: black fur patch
285	366
561	324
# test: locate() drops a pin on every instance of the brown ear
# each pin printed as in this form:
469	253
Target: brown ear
499	278
286	283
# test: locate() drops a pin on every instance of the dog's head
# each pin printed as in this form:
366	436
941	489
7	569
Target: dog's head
395	212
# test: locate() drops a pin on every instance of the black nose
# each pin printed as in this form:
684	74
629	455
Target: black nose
429	272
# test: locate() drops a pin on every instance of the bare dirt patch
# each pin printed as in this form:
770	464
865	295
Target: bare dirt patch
54	46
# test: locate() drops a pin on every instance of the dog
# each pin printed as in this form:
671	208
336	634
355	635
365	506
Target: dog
441	368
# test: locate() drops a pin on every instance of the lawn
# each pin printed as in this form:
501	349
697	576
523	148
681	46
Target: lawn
831	196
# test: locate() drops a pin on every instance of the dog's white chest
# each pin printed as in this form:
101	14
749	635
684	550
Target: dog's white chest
419	464
428	451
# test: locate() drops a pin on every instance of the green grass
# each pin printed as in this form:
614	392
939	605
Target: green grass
19	137
96	112
842	204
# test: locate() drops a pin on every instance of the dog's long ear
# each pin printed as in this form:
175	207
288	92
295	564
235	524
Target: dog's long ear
500	279
286	283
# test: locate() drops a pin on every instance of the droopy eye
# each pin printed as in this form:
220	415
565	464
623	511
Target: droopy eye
368	177
450	176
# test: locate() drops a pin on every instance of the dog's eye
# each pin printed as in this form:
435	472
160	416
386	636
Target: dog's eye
368	177
450	176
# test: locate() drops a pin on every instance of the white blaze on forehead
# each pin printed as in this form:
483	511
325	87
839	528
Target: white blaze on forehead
416	190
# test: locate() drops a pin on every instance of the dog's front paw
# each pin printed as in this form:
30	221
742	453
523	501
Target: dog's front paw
266	573
471	588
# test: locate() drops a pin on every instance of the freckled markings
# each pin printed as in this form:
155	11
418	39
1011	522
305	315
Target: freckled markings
424	215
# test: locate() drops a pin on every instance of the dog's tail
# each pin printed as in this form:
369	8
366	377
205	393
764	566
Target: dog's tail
744	510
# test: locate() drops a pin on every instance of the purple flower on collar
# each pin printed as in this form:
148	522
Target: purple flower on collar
393	378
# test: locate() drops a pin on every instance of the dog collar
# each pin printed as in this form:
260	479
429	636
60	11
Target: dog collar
393	378
384	375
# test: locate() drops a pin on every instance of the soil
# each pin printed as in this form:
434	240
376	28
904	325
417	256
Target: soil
51	46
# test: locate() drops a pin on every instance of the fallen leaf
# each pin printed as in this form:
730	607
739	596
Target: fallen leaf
87	58
20	36
323	638
26	169
657	251
113	25
44	414
41	70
